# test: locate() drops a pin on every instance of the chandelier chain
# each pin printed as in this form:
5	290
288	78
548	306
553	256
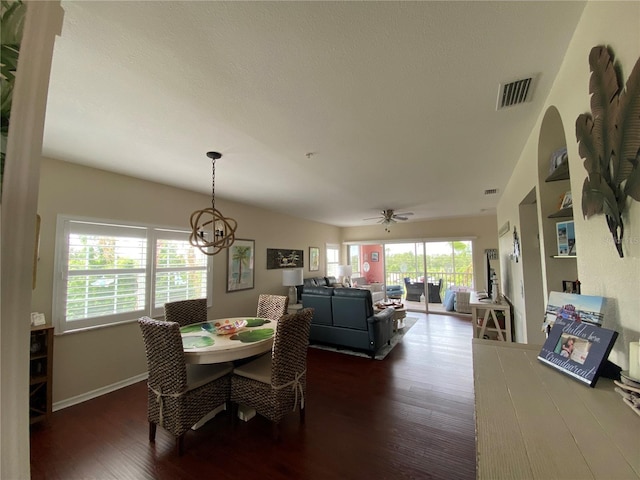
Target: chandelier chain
213	184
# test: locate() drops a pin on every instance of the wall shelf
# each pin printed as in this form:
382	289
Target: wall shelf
562	213
564	256
560	173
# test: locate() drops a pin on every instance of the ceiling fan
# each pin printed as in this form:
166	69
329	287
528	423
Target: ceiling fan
388	216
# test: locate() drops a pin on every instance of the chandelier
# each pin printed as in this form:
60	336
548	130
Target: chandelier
211	232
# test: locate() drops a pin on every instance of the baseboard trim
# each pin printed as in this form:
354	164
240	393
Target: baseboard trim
69	402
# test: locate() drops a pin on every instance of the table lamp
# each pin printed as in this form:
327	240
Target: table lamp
291	278
345	271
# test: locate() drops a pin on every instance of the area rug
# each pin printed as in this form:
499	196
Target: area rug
383	352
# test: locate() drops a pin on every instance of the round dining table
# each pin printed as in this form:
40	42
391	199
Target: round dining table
202	342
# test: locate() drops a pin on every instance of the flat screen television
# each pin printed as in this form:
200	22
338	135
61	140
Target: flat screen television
488	275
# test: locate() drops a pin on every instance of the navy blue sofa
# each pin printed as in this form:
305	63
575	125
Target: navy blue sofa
345	317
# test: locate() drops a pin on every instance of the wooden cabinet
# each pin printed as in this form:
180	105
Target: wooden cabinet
40	373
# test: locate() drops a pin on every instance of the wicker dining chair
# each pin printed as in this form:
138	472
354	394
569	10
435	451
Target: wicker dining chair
186	312
276	384
179	396
272	306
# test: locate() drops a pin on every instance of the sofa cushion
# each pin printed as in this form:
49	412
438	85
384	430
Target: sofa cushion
318	298
351	307
330	281
323	291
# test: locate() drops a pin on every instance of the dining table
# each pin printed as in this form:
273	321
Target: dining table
227	339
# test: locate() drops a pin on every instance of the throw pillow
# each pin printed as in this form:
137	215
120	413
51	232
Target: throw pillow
449	299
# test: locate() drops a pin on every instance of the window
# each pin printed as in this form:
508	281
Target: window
333	260
110	273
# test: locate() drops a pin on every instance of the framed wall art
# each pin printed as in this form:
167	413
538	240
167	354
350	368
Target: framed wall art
314	259
575	307
566	237
241	265
567	200
284	258
374	256
577	349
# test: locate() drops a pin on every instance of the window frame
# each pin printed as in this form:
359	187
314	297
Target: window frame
327	264
67	224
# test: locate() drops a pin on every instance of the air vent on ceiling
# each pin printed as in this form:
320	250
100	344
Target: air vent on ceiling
515	93
491	191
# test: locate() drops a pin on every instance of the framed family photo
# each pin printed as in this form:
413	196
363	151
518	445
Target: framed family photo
577	349
241	265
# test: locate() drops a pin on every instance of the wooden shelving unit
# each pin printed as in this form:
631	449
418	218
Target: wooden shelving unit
40	373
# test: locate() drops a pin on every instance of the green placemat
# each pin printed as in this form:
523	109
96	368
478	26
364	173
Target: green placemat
197	342
254	335
256	322
198	327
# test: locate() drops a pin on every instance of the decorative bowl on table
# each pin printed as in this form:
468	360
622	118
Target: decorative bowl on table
228	326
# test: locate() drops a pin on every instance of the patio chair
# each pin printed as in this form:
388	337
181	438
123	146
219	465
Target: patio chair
276	384
178	396
434	292
272	306
186	312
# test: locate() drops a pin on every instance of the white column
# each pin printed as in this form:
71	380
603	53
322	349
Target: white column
19	207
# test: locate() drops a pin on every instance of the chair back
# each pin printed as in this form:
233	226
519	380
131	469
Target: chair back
272	306
289	354
186	312
165	355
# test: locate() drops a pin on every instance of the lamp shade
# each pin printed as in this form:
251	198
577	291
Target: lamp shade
344	270
292	277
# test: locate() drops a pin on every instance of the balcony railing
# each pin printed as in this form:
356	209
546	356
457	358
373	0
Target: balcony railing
448	279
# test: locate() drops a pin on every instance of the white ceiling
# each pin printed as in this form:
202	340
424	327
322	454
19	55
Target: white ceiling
396	100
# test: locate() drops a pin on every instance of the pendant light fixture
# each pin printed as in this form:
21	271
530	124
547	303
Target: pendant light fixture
211	232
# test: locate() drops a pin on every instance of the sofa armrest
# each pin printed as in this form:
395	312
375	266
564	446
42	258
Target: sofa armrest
382	315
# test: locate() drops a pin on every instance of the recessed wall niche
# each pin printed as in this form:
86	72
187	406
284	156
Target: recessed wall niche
553	184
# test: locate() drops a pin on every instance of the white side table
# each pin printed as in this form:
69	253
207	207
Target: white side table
294	308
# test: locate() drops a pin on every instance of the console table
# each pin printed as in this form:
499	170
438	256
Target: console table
489	319
533	422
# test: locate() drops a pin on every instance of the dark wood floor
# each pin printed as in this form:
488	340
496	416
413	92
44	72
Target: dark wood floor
407	416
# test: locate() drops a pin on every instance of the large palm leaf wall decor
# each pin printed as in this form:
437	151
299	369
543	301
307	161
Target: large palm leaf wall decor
609	142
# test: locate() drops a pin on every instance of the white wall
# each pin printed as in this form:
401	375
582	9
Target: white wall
90	360
600	270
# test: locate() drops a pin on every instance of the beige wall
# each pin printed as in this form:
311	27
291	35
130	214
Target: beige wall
94	359
600	269
483	229
90	360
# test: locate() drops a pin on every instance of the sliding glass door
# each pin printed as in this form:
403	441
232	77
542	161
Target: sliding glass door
420	268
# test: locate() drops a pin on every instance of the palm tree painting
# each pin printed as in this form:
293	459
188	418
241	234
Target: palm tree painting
240	265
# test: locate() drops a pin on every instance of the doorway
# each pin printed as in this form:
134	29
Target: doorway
531	283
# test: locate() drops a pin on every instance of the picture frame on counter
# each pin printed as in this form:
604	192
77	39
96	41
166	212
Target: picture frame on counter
577	349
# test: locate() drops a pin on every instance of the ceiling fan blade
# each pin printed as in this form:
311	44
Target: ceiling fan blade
371	218
398	217
404	214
